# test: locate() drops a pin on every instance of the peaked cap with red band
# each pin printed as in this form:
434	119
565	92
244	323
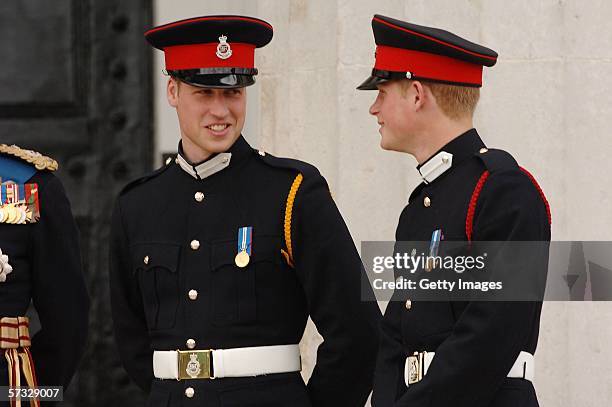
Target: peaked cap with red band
212	51
410	51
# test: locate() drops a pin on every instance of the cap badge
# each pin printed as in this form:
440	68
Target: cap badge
193	366
224	51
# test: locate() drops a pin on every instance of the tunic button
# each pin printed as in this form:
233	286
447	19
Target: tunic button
189	392
168	160
191	343
195	244
146	260
261	153
408	304
427	202
193	294
199	196
483	150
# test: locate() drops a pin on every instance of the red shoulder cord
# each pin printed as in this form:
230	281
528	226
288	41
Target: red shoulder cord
469	219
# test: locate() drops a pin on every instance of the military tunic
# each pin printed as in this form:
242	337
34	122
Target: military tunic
475	343
46	270
175	284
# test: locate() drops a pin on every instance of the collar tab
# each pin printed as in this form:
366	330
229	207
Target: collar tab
436	166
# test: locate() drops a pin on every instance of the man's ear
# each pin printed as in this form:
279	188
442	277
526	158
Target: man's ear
172	90
420	95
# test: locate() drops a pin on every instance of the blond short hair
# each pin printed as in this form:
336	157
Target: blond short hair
457	102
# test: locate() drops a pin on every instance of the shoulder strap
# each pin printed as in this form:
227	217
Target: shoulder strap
146	177
496	160
39	161
304	170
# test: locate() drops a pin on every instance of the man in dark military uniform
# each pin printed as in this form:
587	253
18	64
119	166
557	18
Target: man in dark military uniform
40	262
220	256
467	354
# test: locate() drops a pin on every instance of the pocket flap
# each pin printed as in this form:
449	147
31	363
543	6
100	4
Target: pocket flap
264	248
146	256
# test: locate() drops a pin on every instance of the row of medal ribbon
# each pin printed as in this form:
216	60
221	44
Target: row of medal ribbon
19	203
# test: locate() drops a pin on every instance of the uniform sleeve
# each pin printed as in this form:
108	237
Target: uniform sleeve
389	374
330	270
471	364
58	289
130	328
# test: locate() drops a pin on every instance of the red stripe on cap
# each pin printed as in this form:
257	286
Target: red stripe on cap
195	56
426	65
435	40
199	19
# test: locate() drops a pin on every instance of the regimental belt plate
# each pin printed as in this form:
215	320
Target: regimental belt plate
195	364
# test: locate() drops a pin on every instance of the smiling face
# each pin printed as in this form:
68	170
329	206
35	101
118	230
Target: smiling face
211	120
395	116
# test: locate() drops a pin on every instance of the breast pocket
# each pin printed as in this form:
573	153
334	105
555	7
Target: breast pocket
235	290
156	266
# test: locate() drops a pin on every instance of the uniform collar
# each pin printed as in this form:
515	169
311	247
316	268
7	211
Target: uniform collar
215	163
451	155
14	169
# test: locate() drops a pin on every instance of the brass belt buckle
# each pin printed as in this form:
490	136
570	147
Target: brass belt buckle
195	364
416	367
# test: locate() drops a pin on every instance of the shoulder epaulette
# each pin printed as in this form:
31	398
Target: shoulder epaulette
146	177
41	162
497	160
307	170
304	171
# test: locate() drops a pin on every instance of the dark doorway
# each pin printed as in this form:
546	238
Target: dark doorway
75	84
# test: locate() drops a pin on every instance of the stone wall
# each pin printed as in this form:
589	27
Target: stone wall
548	101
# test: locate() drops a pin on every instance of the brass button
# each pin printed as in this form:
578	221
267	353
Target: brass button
408	304
146	260
445	159
199	196
193	294
168	160
261	153
483	150
191	343
427	202
195	244
189	392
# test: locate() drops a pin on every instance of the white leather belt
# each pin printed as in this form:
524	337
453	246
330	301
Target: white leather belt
218	363
417	365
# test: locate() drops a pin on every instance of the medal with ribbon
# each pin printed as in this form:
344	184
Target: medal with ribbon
245	245
19	203
434	246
